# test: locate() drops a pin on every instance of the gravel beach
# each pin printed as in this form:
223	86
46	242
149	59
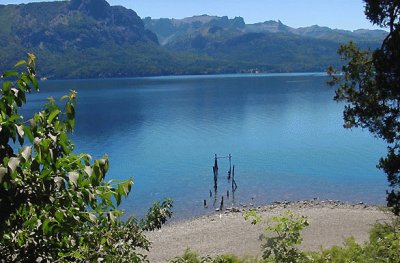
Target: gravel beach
226	232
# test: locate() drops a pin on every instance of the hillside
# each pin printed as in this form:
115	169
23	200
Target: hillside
91	39
170	31
268	46
83	39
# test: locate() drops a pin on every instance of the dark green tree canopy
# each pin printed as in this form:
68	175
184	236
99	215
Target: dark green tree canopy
370	84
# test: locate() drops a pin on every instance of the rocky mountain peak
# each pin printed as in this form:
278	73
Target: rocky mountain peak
95	8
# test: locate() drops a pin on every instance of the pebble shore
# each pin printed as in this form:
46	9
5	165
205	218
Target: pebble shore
226	231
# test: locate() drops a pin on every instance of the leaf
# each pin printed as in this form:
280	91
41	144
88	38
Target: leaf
53	137
31	59
118	198
6	86
88	170
20	130
52	115
3	172
14	117
70	110
59	181
28	133
64	97
73	178
26	153
59	216
126	188
93	217
112	217
21	62
33	123
34	82
13	163
45	227
9	74
120	190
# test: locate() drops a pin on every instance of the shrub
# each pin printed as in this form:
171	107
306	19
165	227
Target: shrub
56	205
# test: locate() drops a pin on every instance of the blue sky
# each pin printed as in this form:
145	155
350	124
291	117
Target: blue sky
342	14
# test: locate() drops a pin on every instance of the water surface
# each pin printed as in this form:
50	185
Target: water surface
283	130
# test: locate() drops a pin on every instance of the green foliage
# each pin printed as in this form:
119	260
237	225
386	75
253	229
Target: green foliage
283	236
56	205
157	215
192	257
369	83
281	246
189	257
253	216
383	246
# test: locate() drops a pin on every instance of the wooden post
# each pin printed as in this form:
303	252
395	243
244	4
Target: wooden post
216	163
230	166
233	177
234	185
215	197
215	179
233	197
227	193
210	193
222	204
205	203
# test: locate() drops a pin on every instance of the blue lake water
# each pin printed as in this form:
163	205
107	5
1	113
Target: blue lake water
284	132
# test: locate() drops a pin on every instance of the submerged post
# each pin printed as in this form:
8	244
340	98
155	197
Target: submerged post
222	204
216	163
215	178
230	166
215	197
234	185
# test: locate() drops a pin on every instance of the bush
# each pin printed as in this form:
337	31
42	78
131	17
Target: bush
192	257
383	246
283	236
56	205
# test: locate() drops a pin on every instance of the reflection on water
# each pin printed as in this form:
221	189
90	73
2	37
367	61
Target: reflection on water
284	132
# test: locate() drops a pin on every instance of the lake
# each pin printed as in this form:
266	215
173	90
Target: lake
284	132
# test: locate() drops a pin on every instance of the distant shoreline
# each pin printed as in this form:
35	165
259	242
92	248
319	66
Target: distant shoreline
226	232
270	74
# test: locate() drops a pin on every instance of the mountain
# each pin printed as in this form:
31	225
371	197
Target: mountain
84	38
169	30
91	39
268	46
318	32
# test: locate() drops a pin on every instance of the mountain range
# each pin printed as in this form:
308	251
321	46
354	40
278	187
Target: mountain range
91	39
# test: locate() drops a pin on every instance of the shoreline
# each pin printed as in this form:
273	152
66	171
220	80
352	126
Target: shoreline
242	207
211	75
226	232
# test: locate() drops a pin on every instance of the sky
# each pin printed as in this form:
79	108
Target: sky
341	14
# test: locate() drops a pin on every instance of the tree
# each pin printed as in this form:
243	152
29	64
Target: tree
370	85
56	205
